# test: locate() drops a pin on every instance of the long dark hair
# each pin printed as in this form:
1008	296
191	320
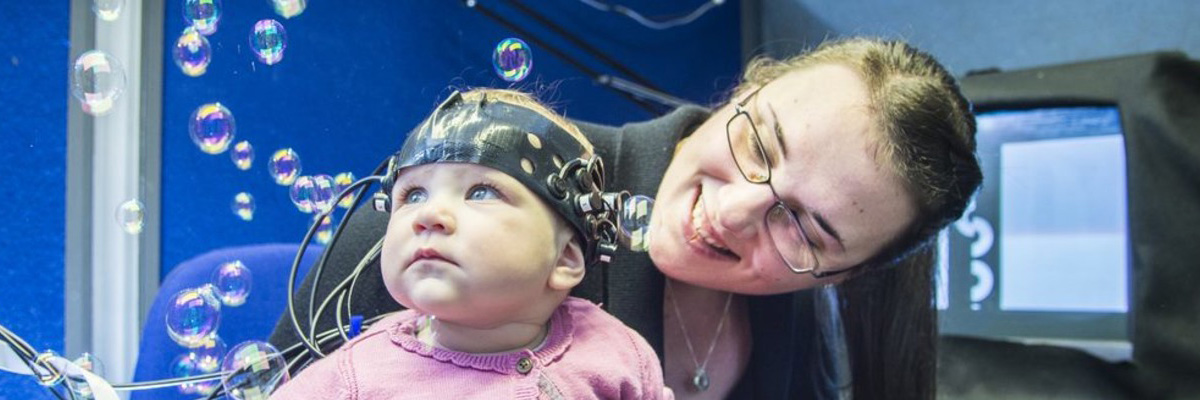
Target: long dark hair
928	140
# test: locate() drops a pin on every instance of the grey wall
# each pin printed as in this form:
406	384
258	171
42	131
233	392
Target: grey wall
970	35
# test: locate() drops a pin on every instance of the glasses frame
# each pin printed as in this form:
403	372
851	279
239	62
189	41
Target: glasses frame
739	109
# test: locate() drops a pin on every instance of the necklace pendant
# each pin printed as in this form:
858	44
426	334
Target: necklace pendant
700	380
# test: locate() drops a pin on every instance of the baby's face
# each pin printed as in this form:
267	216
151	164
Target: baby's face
468	244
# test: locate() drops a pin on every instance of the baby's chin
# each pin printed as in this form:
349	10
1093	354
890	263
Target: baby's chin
431	296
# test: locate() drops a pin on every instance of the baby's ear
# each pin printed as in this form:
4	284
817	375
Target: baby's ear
569	269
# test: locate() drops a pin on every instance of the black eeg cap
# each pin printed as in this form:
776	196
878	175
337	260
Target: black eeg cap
525	145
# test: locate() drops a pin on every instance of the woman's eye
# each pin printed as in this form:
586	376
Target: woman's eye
415	195
483	192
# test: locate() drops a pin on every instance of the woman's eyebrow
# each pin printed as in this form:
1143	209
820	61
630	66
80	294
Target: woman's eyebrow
778	129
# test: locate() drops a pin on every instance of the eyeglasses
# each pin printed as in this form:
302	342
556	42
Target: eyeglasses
750	156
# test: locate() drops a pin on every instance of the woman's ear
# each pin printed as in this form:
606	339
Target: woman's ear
569	269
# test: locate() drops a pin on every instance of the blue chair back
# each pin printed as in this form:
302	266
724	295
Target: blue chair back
269	265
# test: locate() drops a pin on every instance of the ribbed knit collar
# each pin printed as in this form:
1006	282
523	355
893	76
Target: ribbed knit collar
558	339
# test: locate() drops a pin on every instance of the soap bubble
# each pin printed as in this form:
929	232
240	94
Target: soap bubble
324	229
108	10
90	362
232	281
202	14
242	155
131	215
252	370
512	59
323	192
243	206
301	193
284	166
289	8
193	315
192	52
268	40
635	222
191	364
212	128
340	183
97	81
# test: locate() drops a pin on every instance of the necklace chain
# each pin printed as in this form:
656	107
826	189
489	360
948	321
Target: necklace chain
700	367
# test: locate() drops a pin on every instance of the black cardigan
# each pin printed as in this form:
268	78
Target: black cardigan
630	287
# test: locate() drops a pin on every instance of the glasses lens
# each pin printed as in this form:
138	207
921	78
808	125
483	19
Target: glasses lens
790	241
747	148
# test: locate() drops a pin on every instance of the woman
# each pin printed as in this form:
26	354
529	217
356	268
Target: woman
824	168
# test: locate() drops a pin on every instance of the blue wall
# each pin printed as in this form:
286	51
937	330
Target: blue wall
33	88
355	78
971	35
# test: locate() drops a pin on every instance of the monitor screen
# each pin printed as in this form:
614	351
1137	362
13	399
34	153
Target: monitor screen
1043	251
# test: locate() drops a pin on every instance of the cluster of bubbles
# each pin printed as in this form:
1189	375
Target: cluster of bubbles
250	370
268	38
97	81
512	59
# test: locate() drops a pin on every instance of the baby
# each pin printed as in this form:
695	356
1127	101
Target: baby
495	211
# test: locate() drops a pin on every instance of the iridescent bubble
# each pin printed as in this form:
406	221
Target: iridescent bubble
190	364
301	193
268	40
242	155
108	10
284	166
192	316
252	370
209	354
97	81
232	281
340	183
323	192
324	229
89	362
634	222
289	8
192	52
212	128
131	215
512	59
202	14
243	206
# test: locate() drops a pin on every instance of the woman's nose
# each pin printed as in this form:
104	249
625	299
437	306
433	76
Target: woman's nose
434	218
741	208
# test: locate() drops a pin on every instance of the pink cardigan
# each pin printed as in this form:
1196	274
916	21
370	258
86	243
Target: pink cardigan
588	354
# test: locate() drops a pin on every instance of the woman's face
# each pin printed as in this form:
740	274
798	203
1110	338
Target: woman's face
815	123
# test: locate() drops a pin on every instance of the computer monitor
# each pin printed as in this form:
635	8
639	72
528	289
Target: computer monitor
1045	243
1084	229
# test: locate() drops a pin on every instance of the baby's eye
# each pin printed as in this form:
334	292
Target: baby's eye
483	192
415	195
